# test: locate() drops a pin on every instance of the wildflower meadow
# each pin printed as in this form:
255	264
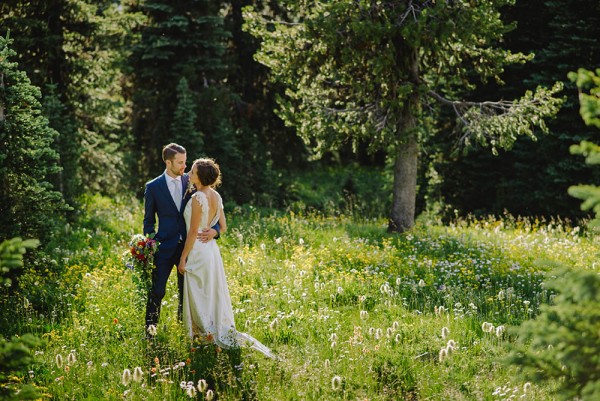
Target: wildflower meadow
353	313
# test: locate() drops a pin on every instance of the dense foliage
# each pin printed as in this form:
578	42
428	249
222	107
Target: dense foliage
110	74
533	178
563	343
30	206
363	71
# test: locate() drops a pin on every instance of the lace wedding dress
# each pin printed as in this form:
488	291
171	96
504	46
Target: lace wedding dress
206	302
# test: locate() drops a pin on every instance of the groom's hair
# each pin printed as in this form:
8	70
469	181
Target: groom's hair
170	150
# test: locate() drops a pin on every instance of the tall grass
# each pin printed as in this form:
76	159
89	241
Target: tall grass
353	312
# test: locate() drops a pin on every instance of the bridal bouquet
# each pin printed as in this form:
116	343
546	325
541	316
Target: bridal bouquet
140	260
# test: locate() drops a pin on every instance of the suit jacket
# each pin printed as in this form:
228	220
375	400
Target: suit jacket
158	202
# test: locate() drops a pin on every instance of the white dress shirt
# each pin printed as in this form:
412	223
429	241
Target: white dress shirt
175	188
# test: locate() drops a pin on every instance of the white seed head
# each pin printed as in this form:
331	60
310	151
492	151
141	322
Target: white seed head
138	375
487	327
152	330
59	360
191	391
126	378
378	334
443	354
364	315
71	359
336	383
202	385
445	332
209	395
499	331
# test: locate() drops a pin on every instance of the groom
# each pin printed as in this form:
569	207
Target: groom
165	197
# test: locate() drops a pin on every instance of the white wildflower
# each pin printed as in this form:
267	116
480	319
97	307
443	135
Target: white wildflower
499	331
126	378
445	332
138	375
443	354
336	383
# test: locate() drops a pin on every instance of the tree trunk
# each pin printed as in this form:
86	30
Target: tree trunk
405	183
402	217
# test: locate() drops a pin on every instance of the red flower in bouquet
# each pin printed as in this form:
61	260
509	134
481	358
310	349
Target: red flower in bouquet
140	259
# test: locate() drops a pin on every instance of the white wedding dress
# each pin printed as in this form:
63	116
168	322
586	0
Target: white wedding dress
206	301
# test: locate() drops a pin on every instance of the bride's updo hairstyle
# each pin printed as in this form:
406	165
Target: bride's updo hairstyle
208	172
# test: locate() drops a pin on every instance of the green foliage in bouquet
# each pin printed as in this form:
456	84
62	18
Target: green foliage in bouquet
562	345
140	260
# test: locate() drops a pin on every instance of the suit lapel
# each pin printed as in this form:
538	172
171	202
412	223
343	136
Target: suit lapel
166	190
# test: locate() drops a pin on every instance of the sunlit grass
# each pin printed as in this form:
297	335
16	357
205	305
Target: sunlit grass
355	313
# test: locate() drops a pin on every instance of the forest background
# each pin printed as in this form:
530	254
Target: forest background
90	91
118	80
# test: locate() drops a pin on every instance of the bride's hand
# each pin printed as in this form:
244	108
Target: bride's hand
181	267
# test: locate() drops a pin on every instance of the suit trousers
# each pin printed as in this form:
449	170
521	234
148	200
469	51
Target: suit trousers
160	276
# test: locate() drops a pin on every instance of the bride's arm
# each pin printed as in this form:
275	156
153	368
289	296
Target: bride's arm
191	235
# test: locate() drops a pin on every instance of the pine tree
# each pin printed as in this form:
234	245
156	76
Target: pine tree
181	38
183	127
562	344
373	72
532	179
30	205
74	50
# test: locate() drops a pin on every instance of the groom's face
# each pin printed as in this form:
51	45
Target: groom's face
177	165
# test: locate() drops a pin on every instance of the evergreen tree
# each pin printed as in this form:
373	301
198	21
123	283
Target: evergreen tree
181	38
372	71
74	51
183	127
533	178
30	205
588	83
562	344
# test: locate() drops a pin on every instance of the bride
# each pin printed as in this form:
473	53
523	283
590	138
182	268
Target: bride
206	302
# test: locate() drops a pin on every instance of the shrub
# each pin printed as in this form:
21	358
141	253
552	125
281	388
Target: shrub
562	345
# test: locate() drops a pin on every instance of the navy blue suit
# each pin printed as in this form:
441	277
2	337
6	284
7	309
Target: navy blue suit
171	234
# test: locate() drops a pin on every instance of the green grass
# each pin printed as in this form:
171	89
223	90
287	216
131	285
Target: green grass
335	297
